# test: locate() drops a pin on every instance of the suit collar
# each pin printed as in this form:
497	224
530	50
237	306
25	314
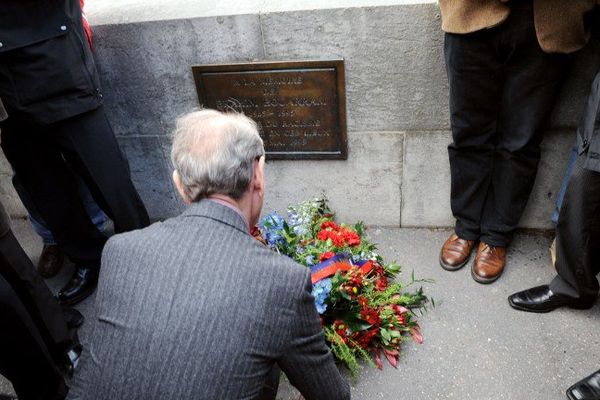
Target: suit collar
218	212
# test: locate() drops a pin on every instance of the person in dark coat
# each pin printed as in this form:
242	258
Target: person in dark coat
37	345
577	239
57	129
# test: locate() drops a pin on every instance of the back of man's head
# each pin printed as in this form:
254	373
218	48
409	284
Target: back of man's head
214	153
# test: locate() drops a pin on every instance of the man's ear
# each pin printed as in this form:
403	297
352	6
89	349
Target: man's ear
259	176
180	187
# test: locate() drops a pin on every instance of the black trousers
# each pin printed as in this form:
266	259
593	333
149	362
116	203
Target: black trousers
502	89
33	333
578	236
46	159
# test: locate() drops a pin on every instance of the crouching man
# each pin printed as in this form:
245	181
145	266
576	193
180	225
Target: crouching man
194	307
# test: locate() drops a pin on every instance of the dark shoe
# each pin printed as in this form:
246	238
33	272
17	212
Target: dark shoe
51	259
81	285
586	389
489	263
455	252
541	299
71	359
73	317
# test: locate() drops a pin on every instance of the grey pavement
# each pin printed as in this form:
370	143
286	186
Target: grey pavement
476	346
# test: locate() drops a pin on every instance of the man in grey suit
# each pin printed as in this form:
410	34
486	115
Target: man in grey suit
196	308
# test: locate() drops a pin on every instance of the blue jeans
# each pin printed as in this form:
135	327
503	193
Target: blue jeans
93	210
564	184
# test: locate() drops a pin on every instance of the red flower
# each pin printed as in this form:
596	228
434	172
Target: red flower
364	338
341	329
381	283
362	301
370	315
338	240
350	237
326	256
399	309
257	234
323	235
415	332
329	224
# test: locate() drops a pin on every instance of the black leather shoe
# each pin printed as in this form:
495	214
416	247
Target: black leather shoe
541	299
73	317
81	285
51	259
586	389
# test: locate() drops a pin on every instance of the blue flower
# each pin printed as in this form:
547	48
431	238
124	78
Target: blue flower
321	292
272	229
297	223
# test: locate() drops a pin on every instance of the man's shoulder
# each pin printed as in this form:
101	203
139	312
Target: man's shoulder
139	238
282	272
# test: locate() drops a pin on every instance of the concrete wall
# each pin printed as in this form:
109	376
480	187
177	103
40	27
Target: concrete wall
397	169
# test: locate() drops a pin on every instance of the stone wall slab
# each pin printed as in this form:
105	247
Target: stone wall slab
426	180
366	187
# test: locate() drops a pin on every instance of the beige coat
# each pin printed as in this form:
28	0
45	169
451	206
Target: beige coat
559	24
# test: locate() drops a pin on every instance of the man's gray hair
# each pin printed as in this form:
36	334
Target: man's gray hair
214	152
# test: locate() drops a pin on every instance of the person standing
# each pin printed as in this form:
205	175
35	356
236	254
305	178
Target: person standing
57	130
38	344
577	238
505	61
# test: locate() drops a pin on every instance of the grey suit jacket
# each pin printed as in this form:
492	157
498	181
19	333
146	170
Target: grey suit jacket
196	308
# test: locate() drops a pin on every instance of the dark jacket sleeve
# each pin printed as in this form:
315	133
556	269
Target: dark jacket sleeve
3	114
588	132
307	361
4	220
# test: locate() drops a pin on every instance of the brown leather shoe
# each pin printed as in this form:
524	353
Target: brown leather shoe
51	259
489	263
455	252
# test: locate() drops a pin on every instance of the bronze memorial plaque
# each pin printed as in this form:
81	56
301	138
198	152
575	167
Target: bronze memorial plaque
300	106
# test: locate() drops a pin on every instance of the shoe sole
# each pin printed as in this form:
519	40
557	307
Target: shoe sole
544	311
79	298
484	281
453	268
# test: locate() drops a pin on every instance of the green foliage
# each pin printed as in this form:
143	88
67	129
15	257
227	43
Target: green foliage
367	309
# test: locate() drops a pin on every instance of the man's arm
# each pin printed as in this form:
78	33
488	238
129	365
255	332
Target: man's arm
307	361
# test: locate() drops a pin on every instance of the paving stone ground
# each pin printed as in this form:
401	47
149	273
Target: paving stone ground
476	346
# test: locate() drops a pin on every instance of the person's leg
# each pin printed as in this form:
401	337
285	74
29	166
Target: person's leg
532	81
578	237
475	81
563	186
44	310
92	208
34	216
88	142
38	162
52	257
37	222
25	360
